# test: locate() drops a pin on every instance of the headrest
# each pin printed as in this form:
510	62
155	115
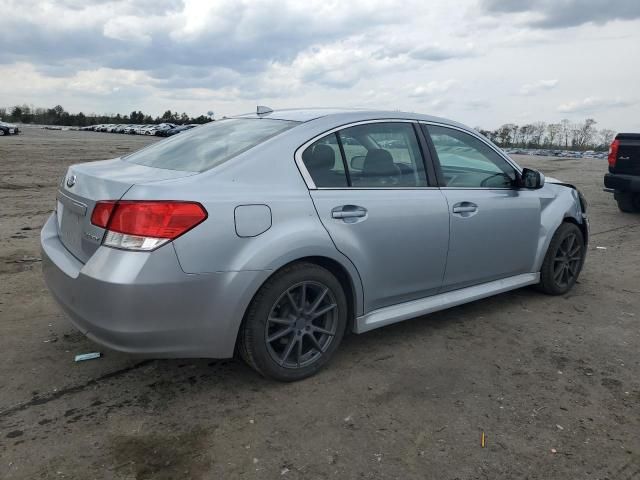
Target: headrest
379	162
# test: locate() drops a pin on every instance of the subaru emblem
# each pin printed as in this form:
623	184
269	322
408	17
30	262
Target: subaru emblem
71	181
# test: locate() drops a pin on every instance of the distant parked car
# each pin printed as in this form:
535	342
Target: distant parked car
142	129
8	129
163	127
172	131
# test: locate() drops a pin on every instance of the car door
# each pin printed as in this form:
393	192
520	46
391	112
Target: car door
371	192
495	226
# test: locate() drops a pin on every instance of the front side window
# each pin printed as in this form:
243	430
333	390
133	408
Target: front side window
203	148
467	162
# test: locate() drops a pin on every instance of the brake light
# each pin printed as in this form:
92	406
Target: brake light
101	213
145	225
613	153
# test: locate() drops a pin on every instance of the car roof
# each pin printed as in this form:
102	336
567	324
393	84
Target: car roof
344	114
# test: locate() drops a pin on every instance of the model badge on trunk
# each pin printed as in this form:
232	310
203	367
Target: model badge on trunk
71	181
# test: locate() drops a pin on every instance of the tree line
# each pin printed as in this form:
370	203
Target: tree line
59	116
563	135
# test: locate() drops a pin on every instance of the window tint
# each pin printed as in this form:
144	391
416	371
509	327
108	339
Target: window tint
352	149
324	162
383	155
205	147
467	162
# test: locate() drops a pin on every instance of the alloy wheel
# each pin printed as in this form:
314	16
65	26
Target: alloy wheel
301	324
567	260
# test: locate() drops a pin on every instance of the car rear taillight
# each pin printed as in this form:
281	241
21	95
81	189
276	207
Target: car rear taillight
145	225
101	213
613	153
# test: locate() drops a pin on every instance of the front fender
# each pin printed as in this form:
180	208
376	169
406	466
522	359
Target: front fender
563	204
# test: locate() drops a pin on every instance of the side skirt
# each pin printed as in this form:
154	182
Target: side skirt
415	308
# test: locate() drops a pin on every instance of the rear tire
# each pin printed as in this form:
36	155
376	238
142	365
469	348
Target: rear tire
294	324
563	261
628	202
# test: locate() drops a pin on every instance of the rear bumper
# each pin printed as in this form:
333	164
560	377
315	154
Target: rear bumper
622	183
144	303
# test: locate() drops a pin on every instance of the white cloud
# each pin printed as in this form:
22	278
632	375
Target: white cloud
228	55
594	104
537	87
431	88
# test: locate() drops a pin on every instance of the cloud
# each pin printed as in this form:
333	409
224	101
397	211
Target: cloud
429	52
551	14
241	35
593	104
438	53
431	88
537	87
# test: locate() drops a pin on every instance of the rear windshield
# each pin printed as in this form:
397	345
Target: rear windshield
204	147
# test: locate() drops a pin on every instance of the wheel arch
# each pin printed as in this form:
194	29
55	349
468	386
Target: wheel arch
347	276
582	226
564	207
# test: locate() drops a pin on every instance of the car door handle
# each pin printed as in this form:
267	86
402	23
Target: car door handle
465	207
348	211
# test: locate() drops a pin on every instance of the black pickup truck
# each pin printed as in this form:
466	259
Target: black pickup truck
623	178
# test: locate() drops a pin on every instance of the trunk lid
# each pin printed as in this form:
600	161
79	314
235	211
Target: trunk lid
87	183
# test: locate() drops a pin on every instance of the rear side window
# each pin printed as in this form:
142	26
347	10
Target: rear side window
203	148
324	163
377	155
388	155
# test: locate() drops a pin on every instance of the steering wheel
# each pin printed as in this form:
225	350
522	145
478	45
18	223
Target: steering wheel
483	183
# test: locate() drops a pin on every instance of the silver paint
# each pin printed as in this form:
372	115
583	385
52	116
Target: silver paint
408	254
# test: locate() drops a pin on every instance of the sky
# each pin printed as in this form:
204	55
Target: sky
481	62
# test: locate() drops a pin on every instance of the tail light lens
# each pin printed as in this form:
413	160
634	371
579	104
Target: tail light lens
613	153
101	213
145	225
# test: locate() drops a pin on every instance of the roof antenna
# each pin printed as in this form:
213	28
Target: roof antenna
262	110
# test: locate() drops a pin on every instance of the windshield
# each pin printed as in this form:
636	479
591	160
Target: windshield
203	148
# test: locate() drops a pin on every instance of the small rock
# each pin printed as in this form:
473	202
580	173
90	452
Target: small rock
559	427
553	450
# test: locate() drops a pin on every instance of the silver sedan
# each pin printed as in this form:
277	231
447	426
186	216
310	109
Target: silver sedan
273	234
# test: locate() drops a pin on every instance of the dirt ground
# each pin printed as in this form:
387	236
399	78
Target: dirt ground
553	382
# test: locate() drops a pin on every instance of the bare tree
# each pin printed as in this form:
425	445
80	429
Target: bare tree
504	134
537	132
584	133
554	130
605	137
565	131
525	135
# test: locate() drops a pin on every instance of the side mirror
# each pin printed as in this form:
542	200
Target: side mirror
357	162
531	179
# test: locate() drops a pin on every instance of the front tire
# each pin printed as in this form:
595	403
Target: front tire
294	324
563	261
